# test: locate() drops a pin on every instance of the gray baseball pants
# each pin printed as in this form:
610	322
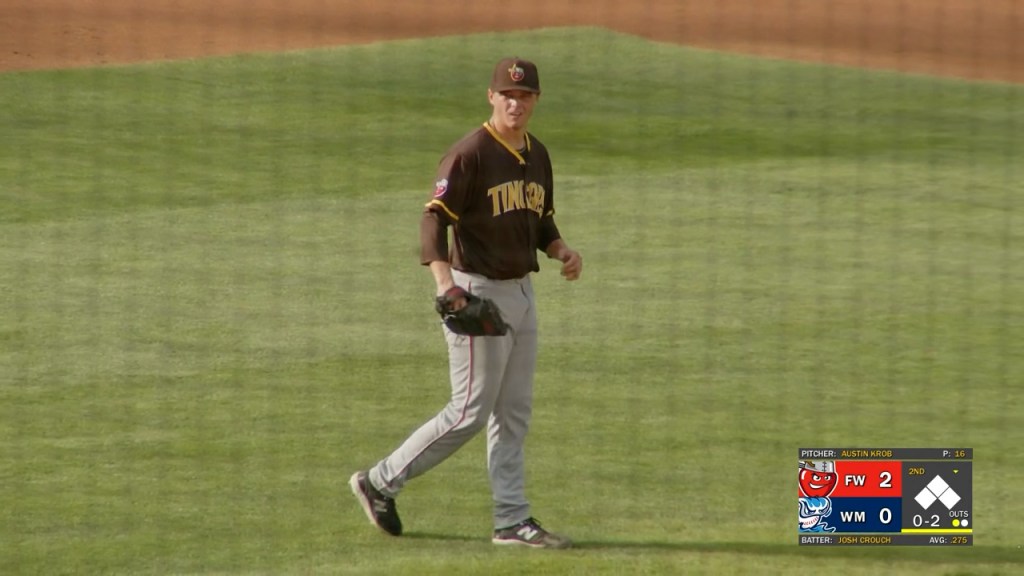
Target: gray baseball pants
492	385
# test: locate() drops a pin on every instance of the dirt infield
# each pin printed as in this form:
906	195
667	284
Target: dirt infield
967	38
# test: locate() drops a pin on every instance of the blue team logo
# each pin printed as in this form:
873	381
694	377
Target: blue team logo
817	481
813	512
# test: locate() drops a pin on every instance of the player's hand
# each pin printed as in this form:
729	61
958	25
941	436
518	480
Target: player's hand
572	265
453	295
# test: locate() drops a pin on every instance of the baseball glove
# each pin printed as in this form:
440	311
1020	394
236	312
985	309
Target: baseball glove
480	316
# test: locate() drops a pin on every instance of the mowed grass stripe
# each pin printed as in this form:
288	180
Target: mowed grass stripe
232	129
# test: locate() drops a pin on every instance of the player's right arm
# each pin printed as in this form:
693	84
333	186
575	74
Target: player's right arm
443	210
434	250
434	240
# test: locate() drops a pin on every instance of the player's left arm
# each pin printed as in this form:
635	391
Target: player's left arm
551	239
572	262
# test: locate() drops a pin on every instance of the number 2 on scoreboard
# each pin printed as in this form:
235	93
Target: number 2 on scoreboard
885	479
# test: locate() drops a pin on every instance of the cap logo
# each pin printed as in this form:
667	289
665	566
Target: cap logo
517	73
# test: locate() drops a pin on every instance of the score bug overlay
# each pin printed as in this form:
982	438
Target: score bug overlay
885	496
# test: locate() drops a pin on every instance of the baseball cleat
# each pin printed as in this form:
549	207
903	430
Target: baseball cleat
380	509
529	533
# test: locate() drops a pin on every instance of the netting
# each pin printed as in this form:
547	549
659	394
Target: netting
800	224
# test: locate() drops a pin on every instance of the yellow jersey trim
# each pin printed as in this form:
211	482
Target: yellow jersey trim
443	207
496	136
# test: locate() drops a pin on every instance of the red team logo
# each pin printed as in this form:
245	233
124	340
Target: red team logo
516	73
440	187
817	479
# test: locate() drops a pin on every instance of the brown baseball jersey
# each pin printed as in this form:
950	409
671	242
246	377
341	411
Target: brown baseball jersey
499	203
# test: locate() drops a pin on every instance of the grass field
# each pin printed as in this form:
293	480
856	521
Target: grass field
213	310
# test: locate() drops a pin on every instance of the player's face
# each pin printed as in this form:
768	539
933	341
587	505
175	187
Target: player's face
817	484
513	108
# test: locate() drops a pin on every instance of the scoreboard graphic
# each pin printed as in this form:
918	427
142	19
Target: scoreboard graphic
885	496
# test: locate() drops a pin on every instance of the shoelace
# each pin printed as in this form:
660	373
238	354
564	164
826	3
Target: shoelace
378	498
531	522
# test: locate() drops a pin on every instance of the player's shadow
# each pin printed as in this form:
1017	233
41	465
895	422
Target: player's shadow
943	555
442	537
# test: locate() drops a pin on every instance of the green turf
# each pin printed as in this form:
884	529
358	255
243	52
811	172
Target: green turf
213	311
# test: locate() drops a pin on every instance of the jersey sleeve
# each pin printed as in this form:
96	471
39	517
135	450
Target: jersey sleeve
548	229
549	185
548	232
451	189
433	239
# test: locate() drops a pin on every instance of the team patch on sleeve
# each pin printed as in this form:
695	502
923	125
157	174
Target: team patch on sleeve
440	187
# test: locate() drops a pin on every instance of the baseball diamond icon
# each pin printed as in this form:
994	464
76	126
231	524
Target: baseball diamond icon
937	489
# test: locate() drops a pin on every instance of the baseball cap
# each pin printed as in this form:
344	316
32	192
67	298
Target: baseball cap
826	466
515	74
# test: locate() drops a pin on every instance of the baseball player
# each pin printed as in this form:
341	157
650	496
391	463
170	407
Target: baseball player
494	189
